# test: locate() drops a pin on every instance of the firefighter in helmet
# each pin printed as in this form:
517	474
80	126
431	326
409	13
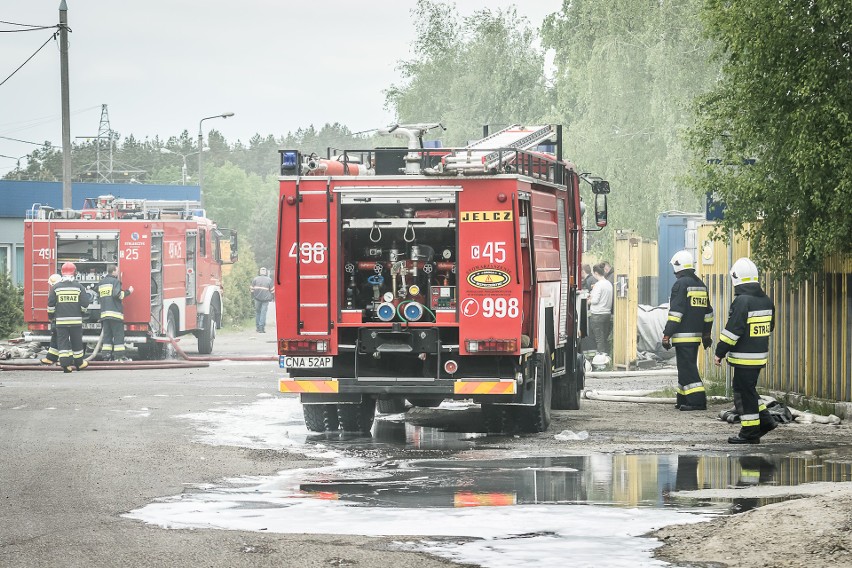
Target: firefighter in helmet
745	344
110	295
688	326
52	356
66	303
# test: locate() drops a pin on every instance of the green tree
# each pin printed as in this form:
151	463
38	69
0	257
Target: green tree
11	306
238	305
784	100
626	73
468	72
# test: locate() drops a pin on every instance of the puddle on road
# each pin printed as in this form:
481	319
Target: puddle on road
501	511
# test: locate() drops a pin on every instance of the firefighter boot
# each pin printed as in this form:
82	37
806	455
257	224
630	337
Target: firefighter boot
68	369
82	365
47	361
767	424
740	440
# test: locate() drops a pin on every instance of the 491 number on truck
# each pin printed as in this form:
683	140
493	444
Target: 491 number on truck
429	274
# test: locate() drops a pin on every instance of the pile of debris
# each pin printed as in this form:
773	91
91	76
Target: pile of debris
30	350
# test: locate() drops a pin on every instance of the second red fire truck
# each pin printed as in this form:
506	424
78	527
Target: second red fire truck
427	274
169	251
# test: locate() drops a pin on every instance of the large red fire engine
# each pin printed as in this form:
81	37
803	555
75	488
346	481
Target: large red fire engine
168	251
426	274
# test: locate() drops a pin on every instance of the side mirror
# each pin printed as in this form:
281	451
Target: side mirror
600	209
600	187
225	250
234	246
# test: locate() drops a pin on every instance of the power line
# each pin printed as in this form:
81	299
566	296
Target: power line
52	36
25	25
34	29
26	141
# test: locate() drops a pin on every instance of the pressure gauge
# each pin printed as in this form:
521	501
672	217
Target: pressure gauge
388	297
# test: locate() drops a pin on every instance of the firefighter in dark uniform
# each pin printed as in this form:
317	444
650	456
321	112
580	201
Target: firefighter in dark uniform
66	303
689	325
52	356
745	344
110	296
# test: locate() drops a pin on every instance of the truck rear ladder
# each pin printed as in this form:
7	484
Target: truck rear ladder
494	150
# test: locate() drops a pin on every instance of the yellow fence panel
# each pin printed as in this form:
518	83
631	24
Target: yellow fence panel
636	276
811	347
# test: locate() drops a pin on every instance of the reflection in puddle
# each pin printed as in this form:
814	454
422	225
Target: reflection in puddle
418	481
617	480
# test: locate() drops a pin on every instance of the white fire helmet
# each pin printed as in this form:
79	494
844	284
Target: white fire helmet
682	260
743	271
54	278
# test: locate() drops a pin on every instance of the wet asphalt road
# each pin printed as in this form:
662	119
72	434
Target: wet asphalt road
81	450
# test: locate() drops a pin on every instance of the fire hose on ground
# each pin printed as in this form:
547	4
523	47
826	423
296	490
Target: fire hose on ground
182	354
634	396
640	396
185	361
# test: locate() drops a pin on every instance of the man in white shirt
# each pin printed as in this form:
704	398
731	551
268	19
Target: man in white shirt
600	311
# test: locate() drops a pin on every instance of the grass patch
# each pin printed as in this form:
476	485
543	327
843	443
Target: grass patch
246	324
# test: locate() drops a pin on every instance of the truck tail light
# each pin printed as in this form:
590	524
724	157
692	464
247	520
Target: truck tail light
38	326
137	327
286	346
492	345
450	367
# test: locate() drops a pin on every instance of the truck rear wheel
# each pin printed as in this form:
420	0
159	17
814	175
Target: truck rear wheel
497	418
357	417
320	417
566	389
537	418
391	406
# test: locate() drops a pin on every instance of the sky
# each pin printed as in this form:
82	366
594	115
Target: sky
161	66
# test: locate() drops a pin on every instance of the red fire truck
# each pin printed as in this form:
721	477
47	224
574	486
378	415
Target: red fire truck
168	251
426	274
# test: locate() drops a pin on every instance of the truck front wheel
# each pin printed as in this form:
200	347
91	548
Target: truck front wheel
536	418
566	389
207	335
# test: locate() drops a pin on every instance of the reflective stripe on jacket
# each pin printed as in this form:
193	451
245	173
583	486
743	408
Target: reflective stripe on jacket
111	296
66	302
690	312
745	339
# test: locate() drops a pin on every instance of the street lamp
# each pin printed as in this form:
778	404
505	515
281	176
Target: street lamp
201	145
18	162
183	175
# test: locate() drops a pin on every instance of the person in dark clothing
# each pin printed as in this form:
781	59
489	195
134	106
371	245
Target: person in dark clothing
609	273
52	356
588	278
66	302
744	343
689	325
261	293
112	314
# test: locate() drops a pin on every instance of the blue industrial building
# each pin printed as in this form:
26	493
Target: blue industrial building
18	197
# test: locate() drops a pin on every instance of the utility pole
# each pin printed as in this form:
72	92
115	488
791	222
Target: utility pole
66	107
